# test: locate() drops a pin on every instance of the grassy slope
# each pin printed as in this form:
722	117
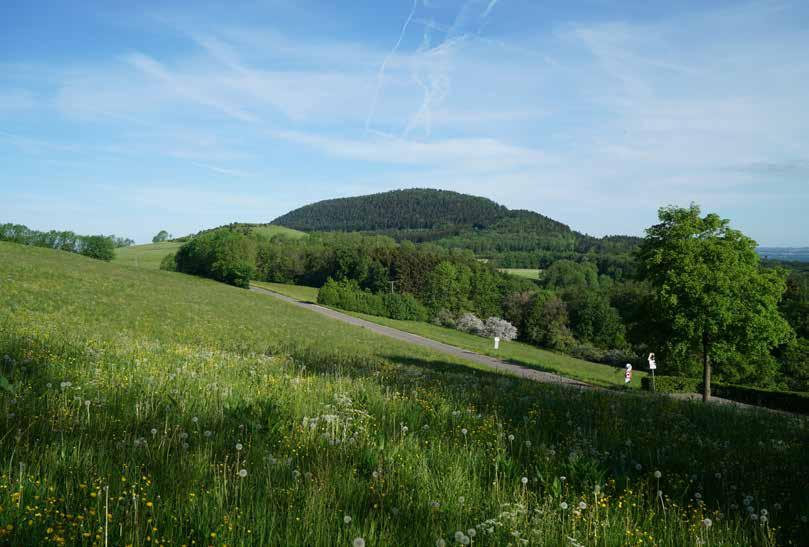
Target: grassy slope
158	386
270	230
517	352
145	256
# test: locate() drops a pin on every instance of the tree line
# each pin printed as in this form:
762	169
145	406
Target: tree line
95	246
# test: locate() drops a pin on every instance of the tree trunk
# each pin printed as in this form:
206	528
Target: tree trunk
706	368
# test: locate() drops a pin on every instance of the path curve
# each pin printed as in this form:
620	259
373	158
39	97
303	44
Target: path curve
490	362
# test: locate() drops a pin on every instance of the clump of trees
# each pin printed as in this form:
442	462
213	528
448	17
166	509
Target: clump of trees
99	246
223	255
161	236
349	296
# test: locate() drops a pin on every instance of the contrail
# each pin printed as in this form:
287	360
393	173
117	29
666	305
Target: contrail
381	72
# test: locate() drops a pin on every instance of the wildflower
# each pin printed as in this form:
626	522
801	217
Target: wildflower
243	473
658	474
405	429
582	505
706	523
239	446
347	519
524	480
464	431
562	478
563	505
359	542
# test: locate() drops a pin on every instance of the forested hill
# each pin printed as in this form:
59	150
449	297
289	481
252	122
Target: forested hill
511	238
396	210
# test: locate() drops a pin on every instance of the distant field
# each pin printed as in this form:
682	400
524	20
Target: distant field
157	408
298	292
271	230
145	256
523	272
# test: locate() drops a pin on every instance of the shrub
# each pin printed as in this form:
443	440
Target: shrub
470	323
500	328
445	318
587	351
347	295
169	263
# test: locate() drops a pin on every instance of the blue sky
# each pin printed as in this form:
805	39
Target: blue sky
131	117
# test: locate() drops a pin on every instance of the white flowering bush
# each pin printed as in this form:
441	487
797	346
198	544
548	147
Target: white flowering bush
494	326
470	323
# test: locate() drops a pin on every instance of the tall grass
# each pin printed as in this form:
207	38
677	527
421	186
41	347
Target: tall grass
153	408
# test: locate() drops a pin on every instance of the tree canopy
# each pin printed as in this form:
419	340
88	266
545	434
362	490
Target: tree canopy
711	294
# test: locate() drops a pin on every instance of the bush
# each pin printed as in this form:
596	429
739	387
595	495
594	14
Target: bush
470	323
169	263
445	318
790	401
347	295
500	328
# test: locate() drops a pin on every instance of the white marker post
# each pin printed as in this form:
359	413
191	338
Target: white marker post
496	342
652	367
628	375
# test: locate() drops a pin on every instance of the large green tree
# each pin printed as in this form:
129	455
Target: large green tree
711	293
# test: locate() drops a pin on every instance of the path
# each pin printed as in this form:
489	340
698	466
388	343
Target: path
490	362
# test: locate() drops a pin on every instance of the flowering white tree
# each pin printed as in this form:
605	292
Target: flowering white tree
468	322
500	328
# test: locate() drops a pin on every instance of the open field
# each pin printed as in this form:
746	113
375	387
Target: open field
145	256
523	272
270	230
191	412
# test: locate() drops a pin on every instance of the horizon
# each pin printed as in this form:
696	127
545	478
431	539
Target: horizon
133	119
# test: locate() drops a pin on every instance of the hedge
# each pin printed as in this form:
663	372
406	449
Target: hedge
791	401
348	296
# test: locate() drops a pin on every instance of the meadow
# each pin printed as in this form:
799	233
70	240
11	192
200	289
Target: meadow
145	256
152	408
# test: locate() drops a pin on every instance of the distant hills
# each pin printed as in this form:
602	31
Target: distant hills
510	238
787	254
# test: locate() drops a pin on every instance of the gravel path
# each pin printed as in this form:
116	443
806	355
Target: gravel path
485	360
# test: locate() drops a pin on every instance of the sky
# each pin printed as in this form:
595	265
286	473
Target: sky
132	117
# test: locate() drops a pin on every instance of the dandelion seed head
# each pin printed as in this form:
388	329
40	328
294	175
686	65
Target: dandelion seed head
359	542
764	512
347	519
153	432
563	505
706	523
582	505
658	474
471	532
242	473
511	437
697	496
524	480
239	446
440	543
